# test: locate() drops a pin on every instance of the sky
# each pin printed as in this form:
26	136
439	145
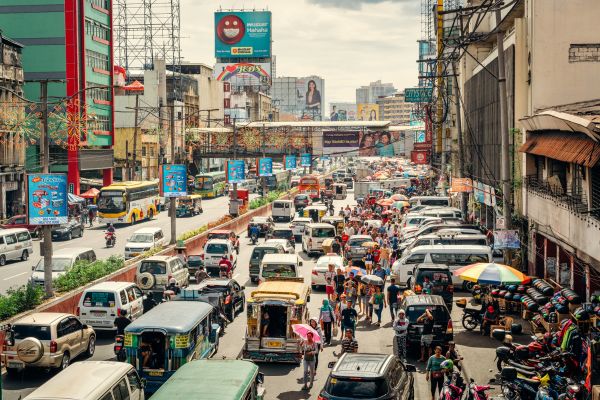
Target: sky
349	43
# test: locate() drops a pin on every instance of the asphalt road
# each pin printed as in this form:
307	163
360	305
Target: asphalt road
284	381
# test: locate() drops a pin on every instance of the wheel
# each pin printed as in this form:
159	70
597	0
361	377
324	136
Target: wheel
70	235
91	348
499	365
81	233
469	322
65	362
2	260
25	255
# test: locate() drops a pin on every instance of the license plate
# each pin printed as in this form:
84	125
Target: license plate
15	364
155	373
134	254
275	344
98	314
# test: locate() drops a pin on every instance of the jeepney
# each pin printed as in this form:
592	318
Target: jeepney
336	221
315	212
188	206
340	191
272	309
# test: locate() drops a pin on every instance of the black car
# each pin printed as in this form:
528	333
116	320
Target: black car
301	201
415	306
349	182
67	231
283	233
226	295
370	376
265	224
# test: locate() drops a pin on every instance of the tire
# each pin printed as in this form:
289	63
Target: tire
2	260
65	362
81	233
499	365
24	255
70	235
91	347
469	322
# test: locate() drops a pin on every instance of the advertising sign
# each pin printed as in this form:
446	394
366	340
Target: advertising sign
242	34
236	171
506	240
338	142
419	156
367	112
366	143
478	191
418	95
462	185
305	160
243	74
47	199
265	167
290	162
174	180
310	97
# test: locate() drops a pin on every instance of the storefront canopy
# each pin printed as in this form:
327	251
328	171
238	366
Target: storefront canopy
569	147
75	199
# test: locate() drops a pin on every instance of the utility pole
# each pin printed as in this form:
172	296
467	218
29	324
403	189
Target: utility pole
440	80
46	229
173	202
127	165
263	179
461	152
235	193
133	175
505	154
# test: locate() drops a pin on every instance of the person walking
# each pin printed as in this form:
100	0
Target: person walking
392	297
348	317
400	327
369	302
452	354
384	257
309	354
329	281
339	279
379	303
427	334
326	319
369	261
91	217
313	324
349	343
434	372
362	293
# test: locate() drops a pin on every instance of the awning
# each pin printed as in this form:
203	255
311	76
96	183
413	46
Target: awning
74	199
90	194
568	147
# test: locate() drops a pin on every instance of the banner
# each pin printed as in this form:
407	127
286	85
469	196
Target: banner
242	34
367	144
236	171
243	74
367	112
290	162
174	180
309	92
265	167
305	160
478	191
506	240
419	156
418	95
47	199
462	185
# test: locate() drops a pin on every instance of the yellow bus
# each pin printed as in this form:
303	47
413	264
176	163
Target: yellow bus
128	202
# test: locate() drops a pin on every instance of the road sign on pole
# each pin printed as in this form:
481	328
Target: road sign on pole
418	95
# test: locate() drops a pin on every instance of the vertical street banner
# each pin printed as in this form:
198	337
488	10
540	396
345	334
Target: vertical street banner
236	171
306	160
47	199
174	180
290	162
265	167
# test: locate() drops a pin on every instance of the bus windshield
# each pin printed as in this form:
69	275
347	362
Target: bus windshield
111	201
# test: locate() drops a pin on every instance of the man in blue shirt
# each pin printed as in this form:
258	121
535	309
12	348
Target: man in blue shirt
380	272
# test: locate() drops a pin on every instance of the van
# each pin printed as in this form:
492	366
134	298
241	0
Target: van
62	260
257	255
448	239
415	306
283	210
439	277
15	244
279	266
443	201
143	240
100	304
214	250
314	235
455	256
95	380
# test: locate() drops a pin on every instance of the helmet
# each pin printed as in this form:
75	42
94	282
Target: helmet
172	281
448	364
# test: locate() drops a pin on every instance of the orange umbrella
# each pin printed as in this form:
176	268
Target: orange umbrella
385	202
399	197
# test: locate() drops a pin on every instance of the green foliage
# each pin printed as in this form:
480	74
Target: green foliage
186	235
19	300
152	251
261	201
84	272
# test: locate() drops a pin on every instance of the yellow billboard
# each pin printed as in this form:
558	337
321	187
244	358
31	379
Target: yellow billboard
367	112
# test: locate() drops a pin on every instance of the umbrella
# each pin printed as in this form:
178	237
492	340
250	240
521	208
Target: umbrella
356	271
400	204
385	202
399	197
492	274
302	330
369	244
90	194
371	279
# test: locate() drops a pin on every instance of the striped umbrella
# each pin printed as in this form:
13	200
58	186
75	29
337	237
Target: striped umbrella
399	197
492	274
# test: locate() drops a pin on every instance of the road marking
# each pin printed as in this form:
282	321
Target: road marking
14	276
236	276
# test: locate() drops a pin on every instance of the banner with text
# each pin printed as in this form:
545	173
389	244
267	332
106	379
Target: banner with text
242	34
290	162
305	160
174	180
47	199
236	171
265	167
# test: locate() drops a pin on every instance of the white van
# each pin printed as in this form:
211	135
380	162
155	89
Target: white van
448	239
454	256
283	210
143	240
443	201
279	265
92	380
314	235
100	304
15	244
62	260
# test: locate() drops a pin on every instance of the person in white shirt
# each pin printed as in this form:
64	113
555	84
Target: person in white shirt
329	283
400	327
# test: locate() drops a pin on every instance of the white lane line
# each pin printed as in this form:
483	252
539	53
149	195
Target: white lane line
236	276
14	276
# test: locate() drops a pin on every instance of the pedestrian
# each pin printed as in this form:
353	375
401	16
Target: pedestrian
384	257
329	281
369	261
400	327
350	289
392	297
427	334
370	300
348	317
452	354
435	373
339	279
336	246
379	303
84	218
91	216
309	353
313	324
380	272
327	320
362	292
349	343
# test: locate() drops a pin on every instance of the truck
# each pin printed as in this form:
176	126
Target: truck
394	183
361	189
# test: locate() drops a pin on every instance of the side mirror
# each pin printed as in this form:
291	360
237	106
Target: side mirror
331	364
260	378
84	327
409	272
300	263
410	368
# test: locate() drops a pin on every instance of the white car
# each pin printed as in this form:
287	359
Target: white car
143	240
317	277
287	245
298	225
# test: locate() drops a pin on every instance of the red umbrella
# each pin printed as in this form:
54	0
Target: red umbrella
90	194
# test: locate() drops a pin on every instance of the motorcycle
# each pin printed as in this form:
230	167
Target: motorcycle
477	392
471	318
453	388
110	238
119	348
254	238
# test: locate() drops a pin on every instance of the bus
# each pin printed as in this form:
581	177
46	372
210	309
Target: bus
128	202
210	184
280	180
311	185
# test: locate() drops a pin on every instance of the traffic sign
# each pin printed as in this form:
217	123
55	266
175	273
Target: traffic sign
418	95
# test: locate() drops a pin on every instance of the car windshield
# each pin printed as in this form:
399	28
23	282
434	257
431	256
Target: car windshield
99	299
41	332
282	234
216	248
111	201
440	314
153	267
141	238
437	278
358	242
194	258
58	264
324	233
283	270
258	254
356	388
223	235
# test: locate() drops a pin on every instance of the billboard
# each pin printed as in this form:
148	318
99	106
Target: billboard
236	171
243	74
174	180
290	162
47	199
305	160
265	167
342	111
418	95
367	112
366	143
242	34
419	156
310	97
507	239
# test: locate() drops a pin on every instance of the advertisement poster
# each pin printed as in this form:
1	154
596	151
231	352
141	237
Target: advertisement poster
290	162
506	240
242	34
462	185
367	143
265	167
243	74
339	142
305	160
310	97
478	191
47	199
419	156
367	112
174	180
236	171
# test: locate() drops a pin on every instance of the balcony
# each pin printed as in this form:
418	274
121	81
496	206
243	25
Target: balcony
573	201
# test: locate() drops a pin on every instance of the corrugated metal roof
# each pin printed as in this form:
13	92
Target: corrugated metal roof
572	148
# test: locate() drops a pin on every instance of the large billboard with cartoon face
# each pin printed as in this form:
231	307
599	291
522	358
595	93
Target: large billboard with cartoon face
242	34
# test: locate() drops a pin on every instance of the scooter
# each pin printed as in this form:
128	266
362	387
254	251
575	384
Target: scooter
110	238
254	238
477	392
119	348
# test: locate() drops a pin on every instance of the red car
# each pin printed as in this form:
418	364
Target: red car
20	221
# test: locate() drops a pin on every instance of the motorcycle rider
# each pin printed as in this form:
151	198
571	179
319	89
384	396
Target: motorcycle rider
110	233
225	267
254	232
121	322
110	228
173	286
235	242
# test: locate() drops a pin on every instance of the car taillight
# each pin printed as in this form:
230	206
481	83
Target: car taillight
227	299
450	289
418	289
321	398
450	329
202	256
78	311
231	257
314	272
53	346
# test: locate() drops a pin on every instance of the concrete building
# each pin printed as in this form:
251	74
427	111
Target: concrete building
12	145
291	96
394	109
71	41
251	107
370	93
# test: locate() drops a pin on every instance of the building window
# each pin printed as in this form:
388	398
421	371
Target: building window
94	59
143	151
100	3
151	151
100	123
97	93
97	29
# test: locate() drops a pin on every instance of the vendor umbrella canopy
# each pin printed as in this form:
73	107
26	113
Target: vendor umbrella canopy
73	199
90	194
399	197
491	274
372	280
302	330
400	204
356	271
385	202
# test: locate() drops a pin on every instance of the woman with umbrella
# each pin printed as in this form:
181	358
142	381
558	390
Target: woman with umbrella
310	350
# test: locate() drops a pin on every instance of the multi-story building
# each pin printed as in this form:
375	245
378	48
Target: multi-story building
394	109
302	98
69	42
369	94
12	145
251	106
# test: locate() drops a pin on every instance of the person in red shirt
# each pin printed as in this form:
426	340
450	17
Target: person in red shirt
225	267
376	254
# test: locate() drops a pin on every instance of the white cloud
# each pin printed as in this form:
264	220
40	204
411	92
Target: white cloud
347	42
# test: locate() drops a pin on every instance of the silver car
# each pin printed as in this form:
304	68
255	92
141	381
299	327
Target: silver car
354	246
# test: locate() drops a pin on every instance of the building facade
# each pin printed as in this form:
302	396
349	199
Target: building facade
370	93
394	109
